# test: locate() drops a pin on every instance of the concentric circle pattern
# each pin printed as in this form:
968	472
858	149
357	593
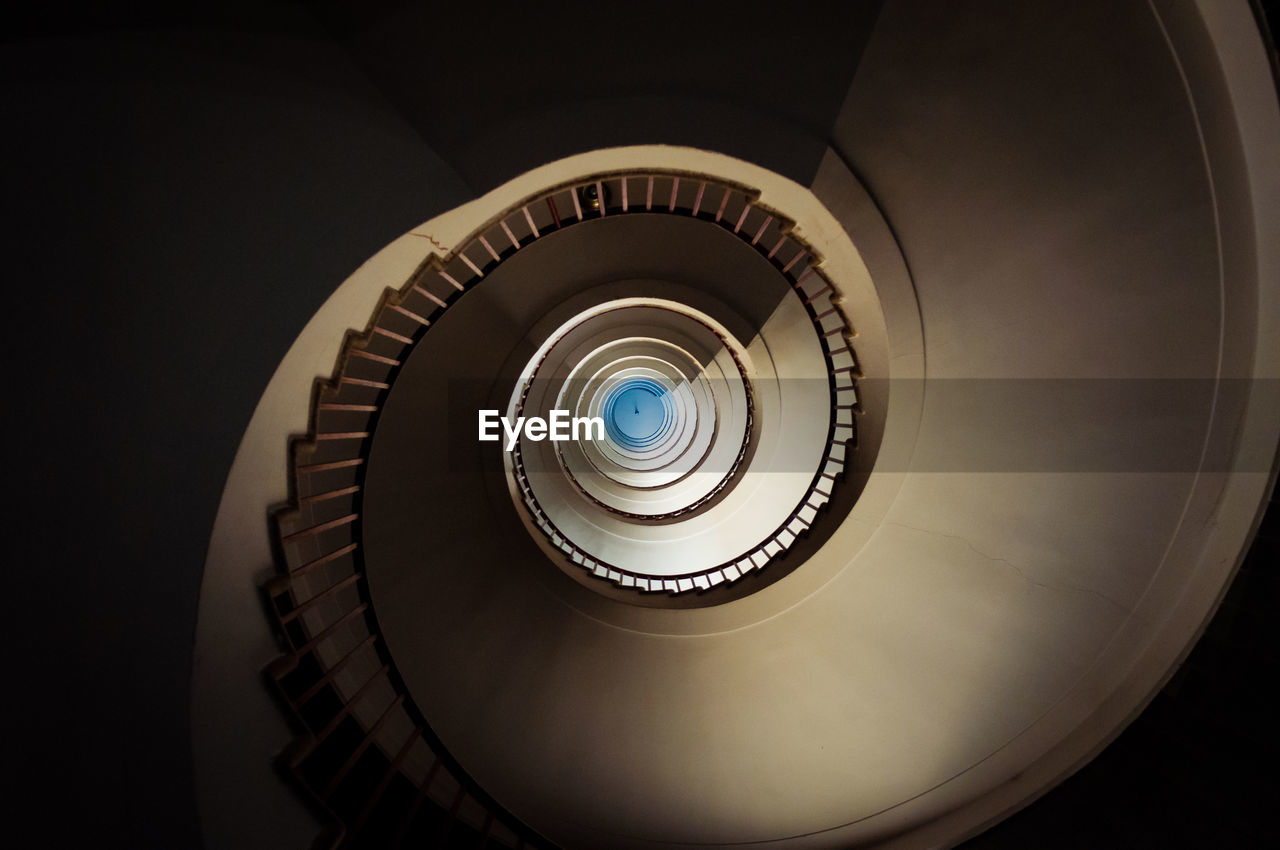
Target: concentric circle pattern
687	487
638	412
728	411
722	436
675	407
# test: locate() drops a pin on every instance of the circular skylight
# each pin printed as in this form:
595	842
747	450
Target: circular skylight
638	412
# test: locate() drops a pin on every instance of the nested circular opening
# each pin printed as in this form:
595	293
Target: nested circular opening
672	400
638	413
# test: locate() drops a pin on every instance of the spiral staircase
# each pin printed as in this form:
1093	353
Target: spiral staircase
1010	267
401	743
367	754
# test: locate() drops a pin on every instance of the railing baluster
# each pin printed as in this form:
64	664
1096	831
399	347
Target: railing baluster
486	829
316	529
337	778
293	613
324	467
330	629
342	435
437	300
421	795
532	227
328	494
515	243
412	315
815	296
401	338
802	278
364	382
385	782
337	719
376	358
321	561
768	220
462	256
451	817
318	686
